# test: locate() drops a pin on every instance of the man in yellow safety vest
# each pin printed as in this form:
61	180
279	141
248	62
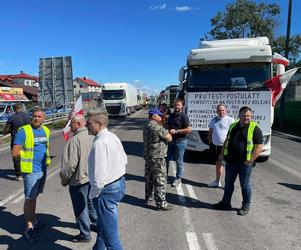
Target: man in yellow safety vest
241	148
31	147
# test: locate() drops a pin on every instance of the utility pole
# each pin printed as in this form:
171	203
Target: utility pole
287	42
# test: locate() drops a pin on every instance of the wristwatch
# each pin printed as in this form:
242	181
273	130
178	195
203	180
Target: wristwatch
176	131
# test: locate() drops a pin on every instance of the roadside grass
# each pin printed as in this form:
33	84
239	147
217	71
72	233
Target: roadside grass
292	118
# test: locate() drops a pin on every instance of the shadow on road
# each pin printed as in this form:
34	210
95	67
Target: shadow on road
131	177
14	225
198	157
171	198
133	148
8	174
292	186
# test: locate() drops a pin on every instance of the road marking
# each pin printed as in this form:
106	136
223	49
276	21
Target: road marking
209	241
125	121
21	197
9	198
191	193
191	236
192	240
285	167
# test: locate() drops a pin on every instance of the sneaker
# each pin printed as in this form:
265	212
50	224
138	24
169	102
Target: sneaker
18	178
167	207
243	210
80	239
176	182
215	184
222	206
31	235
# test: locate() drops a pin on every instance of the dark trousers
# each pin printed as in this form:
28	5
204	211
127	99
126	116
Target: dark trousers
244	173
83	208
16	162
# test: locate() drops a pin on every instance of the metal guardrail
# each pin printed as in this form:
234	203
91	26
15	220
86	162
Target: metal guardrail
49	119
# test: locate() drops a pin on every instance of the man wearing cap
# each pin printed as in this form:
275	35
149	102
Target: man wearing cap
156	138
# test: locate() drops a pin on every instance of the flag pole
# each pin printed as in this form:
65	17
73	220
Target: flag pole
288	32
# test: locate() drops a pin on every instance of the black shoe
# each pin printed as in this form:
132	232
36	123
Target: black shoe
80	239
93	227
31	235
167	207
222	206
148	200
243	211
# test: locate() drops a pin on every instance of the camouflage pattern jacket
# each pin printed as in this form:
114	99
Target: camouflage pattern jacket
155	144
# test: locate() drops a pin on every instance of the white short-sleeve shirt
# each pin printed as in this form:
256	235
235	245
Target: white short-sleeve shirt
220	128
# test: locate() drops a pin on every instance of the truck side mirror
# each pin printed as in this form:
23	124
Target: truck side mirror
182	75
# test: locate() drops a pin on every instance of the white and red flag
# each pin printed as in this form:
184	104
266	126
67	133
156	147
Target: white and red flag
278	83
277	58
76	109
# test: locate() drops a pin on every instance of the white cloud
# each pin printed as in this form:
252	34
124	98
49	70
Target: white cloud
158	7
183	8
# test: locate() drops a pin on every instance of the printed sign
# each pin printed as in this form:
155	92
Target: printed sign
201	107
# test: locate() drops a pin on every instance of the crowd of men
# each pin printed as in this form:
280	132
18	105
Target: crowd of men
94	163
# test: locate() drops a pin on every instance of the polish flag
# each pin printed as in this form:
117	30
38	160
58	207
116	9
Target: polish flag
277	58
278	83
76	109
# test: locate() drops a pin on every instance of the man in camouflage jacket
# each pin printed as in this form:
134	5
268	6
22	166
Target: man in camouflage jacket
155	138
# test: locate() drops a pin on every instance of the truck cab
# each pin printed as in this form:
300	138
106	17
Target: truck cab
232	72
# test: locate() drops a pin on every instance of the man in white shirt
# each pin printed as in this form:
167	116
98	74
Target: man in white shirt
218	129
106	170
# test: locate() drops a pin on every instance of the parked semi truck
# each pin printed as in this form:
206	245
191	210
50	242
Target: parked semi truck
119	99
233	72
170	95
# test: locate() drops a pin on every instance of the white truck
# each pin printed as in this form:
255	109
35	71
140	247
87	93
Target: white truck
119	99
233	72
170	93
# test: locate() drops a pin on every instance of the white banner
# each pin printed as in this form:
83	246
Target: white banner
202	107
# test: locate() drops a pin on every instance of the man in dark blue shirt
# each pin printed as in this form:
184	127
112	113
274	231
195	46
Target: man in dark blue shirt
179	126
14	122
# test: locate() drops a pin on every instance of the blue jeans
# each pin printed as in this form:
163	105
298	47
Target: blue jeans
176	150
83	208
106	205
244	173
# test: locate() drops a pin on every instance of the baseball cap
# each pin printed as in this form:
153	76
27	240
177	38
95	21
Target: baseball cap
155	111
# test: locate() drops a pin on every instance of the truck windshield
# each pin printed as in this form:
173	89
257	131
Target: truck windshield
2	108
113	94
242	76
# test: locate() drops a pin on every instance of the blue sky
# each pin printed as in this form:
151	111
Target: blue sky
138	41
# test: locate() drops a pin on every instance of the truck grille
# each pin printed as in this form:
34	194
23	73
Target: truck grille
113	110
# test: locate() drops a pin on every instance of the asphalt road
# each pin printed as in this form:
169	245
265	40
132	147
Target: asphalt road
274	221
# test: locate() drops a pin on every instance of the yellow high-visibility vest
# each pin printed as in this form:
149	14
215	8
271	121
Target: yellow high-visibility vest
26	156
250	145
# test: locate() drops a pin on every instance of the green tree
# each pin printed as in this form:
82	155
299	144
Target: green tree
244	18
278	46
247	18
